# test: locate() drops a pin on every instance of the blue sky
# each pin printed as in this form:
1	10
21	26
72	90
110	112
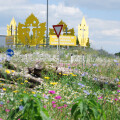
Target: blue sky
102	17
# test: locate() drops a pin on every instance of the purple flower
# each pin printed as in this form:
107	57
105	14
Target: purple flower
83	74
0	66
58	97
86	92
94	65
117	64
46	97
96	79
81	85
117	79
52	92
1	103
34	95
115	60
21	107
69	67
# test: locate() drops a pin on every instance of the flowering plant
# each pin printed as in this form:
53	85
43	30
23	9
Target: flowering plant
31	108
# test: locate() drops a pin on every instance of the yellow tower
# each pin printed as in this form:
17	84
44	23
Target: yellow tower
12	30
83	33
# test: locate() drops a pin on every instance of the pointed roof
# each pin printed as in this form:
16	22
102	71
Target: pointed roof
83	21
13	22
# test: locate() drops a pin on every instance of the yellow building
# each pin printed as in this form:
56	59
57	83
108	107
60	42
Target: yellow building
83	33
11	33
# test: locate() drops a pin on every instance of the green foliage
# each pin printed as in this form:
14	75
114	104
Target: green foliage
3	50
87	109
31	109
117	54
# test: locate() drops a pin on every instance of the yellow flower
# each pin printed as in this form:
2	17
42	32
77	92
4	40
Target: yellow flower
22	83
65	74
7	71
33	92
15	91
26	81
24	91
71	73
47	78
74	75
2	84
118	83
21	100
54	83
4	89
12	71
60	73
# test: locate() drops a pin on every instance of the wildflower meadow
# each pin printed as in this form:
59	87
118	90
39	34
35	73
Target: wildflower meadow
91	90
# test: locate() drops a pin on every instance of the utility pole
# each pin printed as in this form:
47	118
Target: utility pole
47	25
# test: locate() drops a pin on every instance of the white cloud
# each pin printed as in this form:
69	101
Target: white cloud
95	4
12	2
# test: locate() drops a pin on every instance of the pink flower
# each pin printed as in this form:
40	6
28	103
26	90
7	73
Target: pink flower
7	110
53	102
118	85
1	119
59	107
65	105
1	105
118	90
58	97
115	99
44	106
54	105
100	97
8	101
52	92
19	119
